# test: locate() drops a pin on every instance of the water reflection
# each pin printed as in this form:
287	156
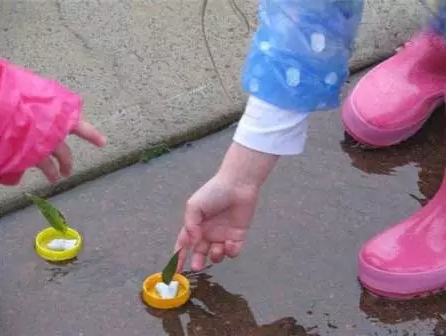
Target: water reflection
389	312
212	310
425	151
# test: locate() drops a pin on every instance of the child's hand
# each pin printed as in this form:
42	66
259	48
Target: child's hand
62	154
216	220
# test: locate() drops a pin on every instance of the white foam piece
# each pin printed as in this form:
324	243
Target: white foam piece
167	291
62	244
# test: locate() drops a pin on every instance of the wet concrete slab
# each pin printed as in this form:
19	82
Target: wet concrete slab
297	275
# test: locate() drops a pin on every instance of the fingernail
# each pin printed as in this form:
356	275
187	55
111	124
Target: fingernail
102	141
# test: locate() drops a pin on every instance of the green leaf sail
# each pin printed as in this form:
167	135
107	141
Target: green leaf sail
170	269
53	216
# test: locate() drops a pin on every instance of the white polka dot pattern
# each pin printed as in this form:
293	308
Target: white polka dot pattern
331	78
293	77
300	52
265	46
317	42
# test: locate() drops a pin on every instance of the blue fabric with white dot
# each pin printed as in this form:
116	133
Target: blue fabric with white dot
298	59
438	18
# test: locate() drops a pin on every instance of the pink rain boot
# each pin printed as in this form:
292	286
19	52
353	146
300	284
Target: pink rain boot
409	259
393	100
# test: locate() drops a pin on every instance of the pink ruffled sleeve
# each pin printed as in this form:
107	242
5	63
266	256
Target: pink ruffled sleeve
36	114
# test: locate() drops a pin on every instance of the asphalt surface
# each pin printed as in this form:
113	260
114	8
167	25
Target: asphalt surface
297	275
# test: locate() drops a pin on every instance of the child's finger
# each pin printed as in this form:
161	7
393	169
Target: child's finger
217	252
49	169
193	218
181	259
63	156
87	132
183	244
233	248
200	256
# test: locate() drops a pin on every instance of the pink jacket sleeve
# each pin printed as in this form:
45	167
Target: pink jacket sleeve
36	114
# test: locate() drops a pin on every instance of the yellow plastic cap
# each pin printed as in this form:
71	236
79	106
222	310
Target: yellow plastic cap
45	236
151	297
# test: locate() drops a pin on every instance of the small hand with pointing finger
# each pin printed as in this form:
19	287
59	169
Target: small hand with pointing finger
216	221
62	153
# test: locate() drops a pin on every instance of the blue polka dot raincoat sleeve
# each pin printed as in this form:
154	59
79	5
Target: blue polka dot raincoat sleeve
298	59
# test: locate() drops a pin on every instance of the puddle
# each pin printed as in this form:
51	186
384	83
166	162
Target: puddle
424	152
391	314
213	310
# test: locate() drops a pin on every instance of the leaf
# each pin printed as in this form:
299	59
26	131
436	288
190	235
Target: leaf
53	216
170	269
154	152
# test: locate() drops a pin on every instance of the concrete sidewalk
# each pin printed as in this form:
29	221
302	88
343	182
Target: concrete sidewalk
296	276
144	72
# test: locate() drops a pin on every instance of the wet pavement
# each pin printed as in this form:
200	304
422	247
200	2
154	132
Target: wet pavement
297	275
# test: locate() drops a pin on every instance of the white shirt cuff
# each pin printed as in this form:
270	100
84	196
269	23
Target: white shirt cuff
269	129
